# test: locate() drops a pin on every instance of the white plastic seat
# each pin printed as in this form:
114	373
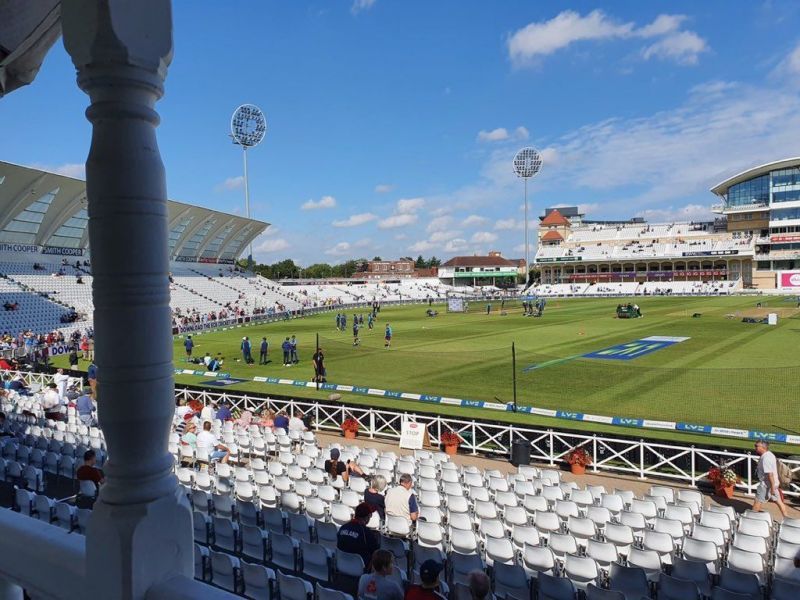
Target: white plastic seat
257	580
562	544
703	551
499	550
581	570
619	535
462	541
317	561
398	526
491	528
538	559
750	543
349	565
524	534
747	562
293	588
430	535
660	542
603	553
224	569
648	560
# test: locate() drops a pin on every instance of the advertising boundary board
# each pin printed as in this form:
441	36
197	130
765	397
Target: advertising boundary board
546	412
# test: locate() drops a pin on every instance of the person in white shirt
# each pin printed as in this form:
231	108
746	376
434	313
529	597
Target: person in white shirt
208	441
62	381
208	412
296	422
51	403
207	359
401	501
769	486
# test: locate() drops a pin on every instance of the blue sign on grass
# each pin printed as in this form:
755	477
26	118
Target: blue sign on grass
635	349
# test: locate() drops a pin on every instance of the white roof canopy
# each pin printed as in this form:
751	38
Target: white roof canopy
47	209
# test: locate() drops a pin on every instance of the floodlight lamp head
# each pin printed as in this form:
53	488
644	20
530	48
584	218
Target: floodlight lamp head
527	162
248	125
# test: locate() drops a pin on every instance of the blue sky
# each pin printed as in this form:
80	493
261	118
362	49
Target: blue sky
392	125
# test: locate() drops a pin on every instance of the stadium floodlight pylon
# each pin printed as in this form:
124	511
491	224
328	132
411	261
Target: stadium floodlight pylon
248	128
527	163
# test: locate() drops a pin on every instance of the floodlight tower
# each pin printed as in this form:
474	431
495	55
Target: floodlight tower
527	163
248	127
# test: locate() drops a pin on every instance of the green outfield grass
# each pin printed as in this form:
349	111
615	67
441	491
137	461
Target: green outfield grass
727	373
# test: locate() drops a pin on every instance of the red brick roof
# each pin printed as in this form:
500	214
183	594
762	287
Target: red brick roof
552	236
555	218
478	261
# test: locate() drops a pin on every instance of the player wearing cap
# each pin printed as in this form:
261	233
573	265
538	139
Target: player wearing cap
430	587
354	537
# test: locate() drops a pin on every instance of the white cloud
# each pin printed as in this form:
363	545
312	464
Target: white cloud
230	184
409	205
400	236
270	231
359	5
456	245
383	188
536	40
400	220
790	65
437	237
683	47
272	245
324	202
690	212
355	220
473	220
504	224
662	25
421	246
339	249
74	170
439	223
483	237
685	150
495	135
501	134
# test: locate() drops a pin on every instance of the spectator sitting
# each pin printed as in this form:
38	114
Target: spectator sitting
207	359
355	538
51	403
208	441
224	412
377	584
208	412
430	588
267	418
374	495
87	471
189	438
334	467
18	385
85	407
296	422
480	587
281	421
401	501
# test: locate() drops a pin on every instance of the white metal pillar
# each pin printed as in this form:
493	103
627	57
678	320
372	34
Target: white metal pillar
140	532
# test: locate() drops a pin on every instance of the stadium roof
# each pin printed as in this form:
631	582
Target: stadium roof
479	261
28	28
38	208
722	188
554	217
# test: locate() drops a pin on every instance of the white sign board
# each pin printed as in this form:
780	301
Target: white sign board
772	319
412	434
455	304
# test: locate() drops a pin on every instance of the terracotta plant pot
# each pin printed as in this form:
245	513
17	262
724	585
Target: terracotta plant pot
724	491
577	469
350	435
451	449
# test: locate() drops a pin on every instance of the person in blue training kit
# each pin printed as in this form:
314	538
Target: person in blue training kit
355	333
286	346
338	321
188	343
264	348
370	320
387	337
293	350
344	321
246	355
